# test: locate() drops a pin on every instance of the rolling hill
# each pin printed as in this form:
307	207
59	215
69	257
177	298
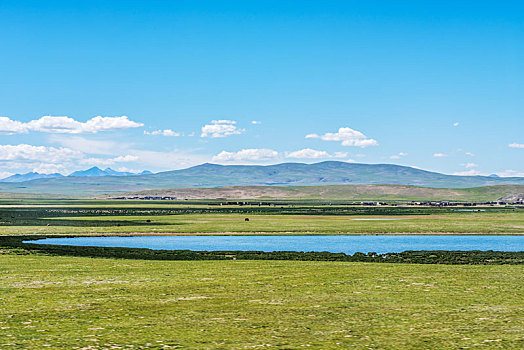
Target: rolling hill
286	174
336	192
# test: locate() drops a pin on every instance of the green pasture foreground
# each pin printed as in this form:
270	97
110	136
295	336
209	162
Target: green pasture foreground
87	303
456	223
292	219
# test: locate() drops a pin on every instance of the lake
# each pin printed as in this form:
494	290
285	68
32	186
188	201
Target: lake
348	244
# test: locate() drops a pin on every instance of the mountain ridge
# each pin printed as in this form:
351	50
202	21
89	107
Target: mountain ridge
285	174
91	172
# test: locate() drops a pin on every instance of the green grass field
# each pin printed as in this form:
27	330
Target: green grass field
86	303
145	218
476	223
64	302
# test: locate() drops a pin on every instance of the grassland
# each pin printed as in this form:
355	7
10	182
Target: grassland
336	192
85	303
75	302
201	219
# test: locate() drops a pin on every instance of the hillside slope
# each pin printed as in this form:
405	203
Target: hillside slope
286	174
332	192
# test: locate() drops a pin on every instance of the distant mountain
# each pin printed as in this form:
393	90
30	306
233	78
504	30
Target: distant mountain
91	172
96	171
286	174
29	176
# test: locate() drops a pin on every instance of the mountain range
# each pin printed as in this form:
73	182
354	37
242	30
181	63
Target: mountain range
285	174
94	171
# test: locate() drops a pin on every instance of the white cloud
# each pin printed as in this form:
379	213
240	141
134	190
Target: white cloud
49	168
127	170
505	173
456	124
471	172
220	128
25	152
86	145
510	173
347	136
109	161
438	155
256	122
308	153
171	160
470	165
516	145
9	127
125	159
4	174
253	154
469	154
399	155
166	132
66	125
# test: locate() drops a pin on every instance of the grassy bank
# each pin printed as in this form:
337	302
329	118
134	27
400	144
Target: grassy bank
63	302
118	218
23	245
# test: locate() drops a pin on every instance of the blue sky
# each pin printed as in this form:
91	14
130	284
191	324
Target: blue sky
436	84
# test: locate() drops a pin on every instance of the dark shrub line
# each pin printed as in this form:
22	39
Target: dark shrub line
15	245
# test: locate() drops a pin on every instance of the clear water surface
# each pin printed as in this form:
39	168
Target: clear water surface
348	244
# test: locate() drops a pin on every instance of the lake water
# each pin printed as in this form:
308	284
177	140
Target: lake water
348	244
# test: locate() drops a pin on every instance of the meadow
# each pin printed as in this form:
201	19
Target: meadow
87	303
120	217
114	298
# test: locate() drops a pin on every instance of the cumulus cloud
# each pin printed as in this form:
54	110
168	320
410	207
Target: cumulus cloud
4	174
127	170
67	125
505	173
109	161
439	155
308	153
9	127
49	168
510	173
456	124
347	136
472	172
256	122
399	155
165	132
169	160
24	152
90	146
516	145
252	154
220	128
